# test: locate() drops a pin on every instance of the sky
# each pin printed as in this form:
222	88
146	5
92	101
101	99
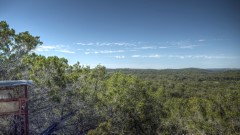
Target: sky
141	34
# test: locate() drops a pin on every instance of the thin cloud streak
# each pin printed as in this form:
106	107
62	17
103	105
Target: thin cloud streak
145	48
163	47
201	40
199	57
107	44
187	46
183	56
65	51
57	48
179	44
46	48
119	57
104	52
146	56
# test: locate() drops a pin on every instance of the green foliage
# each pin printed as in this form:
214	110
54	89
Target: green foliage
194	101
13	47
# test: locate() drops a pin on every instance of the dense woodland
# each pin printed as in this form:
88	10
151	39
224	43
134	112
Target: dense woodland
75	99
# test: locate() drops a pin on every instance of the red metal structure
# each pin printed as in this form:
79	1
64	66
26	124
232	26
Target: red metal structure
14	104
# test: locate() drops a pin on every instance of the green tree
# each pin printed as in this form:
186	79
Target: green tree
13	47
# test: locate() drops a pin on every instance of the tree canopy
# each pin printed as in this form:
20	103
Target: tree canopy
12	49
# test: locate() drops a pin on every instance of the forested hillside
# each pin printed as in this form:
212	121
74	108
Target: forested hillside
74	99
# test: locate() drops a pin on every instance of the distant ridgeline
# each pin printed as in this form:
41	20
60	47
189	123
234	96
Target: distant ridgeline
218	73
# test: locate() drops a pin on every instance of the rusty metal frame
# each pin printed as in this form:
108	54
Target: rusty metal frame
22	110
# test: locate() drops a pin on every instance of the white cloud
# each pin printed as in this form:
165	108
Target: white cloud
145	47
154	56
104	52
213	57
199	57
183	56
85	44
147	56
136	56
119	57
123	44
45	48
201	40
109	51
184	44
58	48
176	56
65	51
106	44
187	46
163	47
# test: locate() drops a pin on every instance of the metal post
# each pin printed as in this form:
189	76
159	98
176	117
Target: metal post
26	111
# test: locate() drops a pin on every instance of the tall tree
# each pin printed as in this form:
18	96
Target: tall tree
13	47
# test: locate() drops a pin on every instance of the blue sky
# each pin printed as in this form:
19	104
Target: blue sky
152	34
